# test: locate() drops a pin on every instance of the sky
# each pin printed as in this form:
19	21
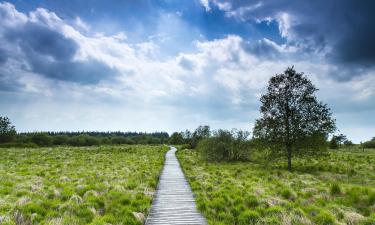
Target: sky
168	65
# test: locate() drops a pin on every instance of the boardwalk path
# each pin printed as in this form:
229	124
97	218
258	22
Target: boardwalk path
174	201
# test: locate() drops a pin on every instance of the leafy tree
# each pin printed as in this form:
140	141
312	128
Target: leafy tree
7	130
200	133
348	143
176	139
333	144
341	139
293	121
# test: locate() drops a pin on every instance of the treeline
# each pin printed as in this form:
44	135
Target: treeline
369	144
42	139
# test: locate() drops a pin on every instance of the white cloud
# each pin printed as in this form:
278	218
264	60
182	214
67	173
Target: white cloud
206	4
219	81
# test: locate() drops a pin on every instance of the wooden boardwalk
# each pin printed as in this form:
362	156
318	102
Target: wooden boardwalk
174	201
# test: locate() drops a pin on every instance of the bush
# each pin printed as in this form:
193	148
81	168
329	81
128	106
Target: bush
369	144
333	144
83	140
185	146
18	145
60	140
225	146
41	139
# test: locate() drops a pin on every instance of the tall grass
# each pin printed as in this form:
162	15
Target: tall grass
78	185
339	189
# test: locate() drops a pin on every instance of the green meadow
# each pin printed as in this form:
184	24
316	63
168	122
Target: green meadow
78	185
338	189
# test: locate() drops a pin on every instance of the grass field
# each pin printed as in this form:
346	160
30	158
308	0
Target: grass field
78	185
337	190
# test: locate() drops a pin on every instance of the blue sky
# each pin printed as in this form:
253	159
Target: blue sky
173	65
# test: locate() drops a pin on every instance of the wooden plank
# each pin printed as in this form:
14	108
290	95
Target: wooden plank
174	201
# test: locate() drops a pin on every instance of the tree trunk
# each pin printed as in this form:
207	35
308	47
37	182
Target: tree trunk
289	154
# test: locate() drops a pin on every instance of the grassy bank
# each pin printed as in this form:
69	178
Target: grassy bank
78	185
339	189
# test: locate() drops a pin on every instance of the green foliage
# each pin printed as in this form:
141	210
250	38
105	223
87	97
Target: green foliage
41	139
293	121
335	189
200	133
325	218
78	185
7	130
333	144
369	144
84	139
225	146
248	217
176	139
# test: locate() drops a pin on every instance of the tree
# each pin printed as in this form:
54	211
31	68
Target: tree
333	144
200	133
7	130
348	143
176	139
293	121
340	139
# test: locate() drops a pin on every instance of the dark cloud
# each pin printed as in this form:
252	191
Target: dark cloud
3	56
345	27
84	72
7	84
51	54
42	40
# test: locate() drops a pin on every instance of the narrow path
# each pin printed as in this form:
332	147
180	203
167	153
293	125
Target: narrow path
174	201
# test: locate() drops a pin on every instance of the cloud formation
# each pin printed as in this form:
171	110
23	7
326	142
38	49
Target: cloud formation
341	29
67	73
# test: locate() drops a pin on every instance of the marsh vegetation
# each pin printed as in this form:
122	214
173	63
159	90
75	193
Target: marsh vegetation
78	185
337	189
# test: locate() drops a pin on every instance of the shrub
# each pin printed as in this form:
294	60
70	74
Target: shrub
369	144
60	140
41	139
185	146
225	146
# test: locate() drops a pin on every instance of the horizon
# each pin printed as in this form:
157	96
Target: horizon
166	66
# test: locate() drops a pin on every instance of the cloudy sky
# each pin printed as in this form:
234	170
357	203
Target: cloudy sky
170	65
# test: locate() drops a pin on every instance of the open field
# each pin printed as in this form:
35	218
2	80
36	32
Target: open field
78	185
339	189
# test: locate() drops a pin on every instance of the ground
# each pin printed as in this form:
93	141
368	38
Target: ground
78	185
338	189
